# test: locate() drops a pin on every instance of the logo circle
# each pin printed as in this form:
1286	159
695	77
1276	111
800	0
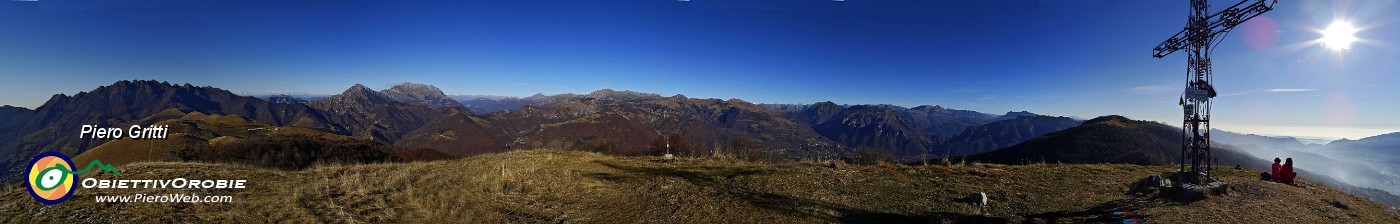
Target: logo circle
50	177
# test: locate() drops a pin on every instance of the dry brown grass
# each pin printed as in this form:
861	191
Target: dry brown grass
542	186
185	131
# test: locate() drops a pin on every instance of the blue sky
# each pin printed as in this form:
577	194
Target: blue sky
1073	57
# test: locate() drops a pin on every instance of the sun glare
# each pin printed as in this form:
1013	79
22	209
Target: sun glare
1339	35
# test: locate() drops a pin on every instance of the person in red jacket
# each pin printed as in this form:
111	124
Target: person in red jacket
1274	174
1287	174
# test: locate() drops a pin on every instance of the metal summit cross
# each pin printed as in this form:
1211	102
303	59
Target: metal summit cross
1200	34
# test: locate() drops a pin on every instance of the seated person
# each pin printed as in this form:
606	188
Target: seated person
1287	175
1273	173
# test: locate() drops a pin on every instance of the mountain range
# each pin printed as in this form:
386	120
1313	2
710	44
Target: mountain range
413	117
419	115
1364	163
54	125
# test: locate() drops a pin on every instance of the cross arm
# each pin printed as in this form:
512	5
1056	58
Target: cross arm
1218	23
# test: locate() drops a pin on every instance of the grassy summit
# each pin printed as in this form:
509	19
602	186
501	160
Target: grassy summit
568	186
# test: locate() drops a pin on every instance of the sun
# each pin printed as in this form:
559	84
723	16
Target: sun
1339	35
